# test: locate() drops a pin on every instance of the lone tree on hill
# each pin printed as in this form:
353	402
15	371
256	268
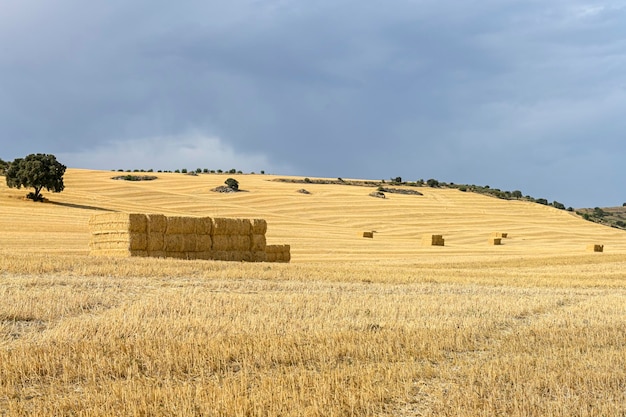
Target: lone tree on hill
36	171
232	183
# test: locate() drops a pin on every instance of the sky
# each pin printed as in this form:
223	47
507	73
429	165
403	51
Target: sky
523	95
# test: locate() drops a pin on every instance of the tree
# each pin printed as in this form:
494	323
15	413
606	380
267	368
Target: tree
36	171
232	183
3	166
432	183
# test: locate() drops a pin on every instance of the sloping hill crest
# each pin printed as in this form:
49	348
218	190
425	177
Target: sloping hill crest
326	224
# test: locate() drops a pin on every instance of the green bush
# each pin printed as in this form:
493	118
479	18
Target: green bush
232	183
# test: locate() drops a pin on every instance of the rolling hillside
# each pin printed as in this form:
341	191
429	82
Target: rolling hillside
325	225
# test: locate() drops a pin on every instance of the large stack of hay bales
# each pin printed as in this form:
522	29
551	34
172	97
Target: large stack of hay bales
226	239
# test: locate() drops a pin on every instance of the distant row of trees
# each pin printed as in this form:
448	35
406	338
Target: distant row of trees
186	171
494	192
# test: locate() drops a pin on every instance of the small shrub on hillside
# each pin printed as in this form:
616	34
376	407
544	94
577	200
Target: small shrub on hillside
232	183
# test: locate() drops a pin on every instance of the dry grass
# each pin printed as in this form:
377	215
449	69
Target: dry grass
352	327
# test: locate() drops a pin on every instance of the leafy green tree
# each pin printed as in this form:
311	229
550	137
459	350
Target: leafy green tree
36	171
3	166
232	183
433	183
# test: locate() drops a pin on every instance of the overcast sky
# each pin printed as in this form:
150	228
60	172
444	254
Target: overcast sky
518	95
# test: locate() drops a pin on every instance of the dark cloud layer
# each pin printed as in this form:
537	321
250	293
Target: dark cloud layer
523	95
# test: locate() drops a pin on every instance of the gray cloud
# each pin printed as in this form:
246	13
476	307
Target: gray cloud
515	94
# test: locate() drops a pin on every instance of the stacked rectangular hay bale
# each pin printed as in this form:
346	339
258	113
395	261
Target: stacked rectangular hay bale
258	243
278	253
231	239
119	234
595	248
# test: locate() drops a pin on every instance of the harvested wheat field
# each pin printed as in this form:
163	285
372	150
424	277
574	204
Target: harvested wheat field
533	326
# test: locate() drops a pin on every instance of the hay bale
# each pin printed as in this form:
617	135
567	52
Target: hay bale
503	235
495	241
118	253
433	240
205	255
228	226
595	248
180	243
278	253
204	225
258	243
176	255
259	226
118	222
258	256
119	240
204	243
241	243
156	242
221	243
368	235
220	255
157	223
177	225
222	226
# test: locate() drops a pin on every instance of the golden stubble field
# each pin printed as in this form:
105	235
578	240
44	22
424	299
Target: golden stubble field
351	327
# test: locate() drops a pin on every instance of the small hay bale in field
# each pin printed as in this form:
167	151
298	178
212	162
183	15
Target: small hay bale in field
258	243
259	226
495	241
595	248
500	234
433	240
368	235
177	225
